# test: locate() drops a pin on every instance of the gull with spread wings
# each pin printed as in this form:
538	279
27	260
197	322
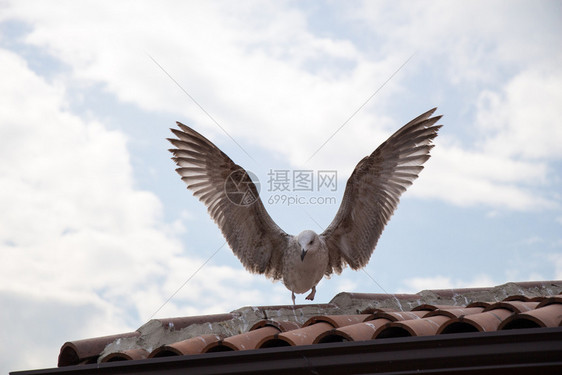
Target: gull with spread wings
370	198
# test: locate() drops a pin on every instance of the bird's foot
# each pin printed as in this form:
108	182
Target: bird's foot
312	294
293	297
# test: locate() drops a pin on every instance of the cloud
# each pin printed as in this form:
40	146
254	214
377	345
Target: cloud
509	165
346	285
473	52
79	242
521	120
556	259
510	81
417	284
472	177
39	326
245	63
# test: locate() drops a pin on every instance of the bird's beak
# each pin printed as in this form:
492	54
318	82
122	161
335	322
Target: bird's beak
303	254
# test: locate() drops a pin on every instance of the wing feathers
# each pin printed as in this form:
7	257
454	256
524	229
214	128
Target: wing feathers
251	233
372	194
373	191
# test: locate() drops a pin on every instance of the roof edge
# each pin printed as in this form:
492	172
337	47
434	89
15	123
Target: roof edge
466	353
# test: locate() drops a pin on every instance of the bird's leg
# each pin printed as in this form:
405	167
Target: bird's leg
293	297
312	294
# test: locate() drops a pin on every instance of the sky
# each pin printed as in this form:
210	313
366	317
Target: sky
98	234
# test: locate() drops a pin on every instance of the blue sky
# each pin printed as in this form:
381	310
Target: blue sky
97	231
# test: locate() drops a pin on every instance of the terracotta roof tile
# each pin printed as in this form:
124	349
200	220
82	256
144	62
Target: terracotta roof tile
126	355
513	306
282	326
399	315
413	327
429	307
550	300
519	297
482	322
548	315
338	320
243	341
348	317
482	304
88	350
301	336
355	332
311	330
194	345
456	313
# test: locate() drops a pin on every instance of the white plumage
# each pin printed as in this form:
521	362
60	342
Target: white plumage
371	196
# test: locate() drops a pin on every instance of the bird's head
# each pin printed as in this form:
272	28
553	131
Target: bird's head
308	241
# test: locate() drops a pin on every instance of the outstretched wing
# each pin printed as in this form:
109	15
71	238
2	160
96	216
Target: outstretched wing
373	191
232	201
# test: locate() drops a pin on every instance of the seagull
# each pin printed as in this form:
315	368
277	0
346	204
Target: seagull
371	195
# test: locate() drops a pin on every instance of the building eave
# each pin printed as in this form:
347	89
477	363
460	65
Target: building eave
517	351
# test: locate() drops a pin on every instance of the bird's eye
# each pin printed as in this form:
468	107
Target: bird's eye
311	241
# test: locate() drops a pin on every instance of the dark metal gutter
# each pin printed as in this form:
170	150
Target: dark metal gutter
521	351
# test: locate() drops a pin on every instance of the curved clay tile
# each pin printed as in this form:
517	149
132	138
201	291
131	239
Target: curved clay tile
482	322
372	310
550	300
416	327
479	304
282	326
355	332
193	345
513	306
546	316
301	336
517	297
338	320
244	341
399	315
428	307
88	350
262	330
456	313
126	355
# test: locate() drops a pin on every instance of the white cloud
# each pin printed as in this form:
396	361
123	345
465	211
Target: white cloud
509	164
346	285
522	120
78	242
417	284
510	80
467	178
263	74
513	34
556	259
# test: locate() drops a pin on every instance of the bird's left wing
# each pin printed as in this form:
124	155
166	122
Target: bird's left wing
232	200
373	191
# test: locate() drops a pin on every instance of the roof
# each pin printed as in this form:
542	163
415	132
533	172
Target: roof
358	322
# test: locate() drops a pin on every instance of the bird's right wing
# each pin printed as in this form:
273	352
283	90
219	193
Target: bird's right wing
232	200
373	191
